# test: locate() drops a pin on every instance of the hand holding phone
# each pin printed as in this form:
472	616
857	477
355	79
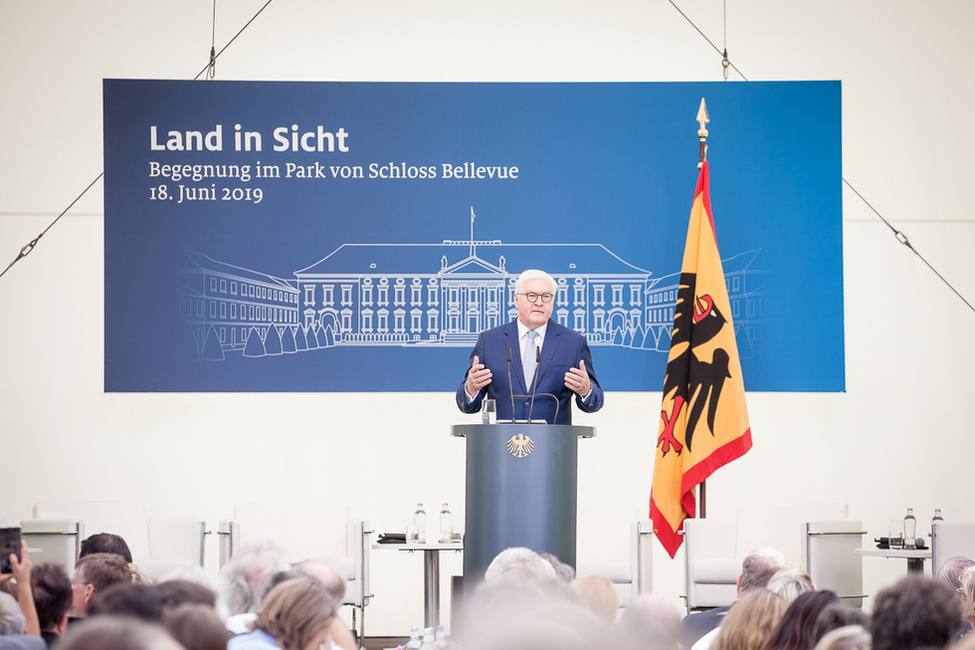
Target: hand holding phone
9	545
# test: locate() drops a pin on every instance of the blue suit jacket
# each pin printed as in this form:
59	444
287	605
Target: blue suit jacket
562	348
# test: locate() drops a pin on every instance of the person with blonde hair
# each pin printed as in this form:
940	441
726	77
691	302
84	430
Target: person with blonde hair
599	595
295	615
750	623
790	583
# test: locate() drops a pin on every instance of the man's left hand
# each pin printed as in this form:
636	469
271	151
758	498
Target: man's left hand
577	380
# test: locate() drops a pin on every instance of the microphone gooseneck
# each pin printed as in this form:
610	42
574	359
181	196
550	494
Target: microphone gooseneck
511	391
538	360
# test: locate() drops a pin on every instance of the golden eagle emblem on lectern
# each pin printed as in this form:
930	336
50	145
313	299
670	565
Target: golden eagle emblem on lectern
520	445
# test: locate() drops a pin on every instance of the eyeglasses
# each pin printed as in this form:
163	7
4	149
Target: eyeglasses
532	297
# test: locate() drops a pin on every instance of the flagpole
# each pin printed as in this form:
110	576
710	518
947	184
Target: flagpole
702	134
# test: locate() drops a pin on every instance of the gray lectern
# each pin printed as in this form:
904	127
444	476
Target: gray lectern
521	491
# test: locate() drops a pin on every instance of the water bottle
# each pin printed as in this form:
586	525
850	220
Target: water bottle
441	643
446	525
910	530
414	643
420	523
937	516
428	640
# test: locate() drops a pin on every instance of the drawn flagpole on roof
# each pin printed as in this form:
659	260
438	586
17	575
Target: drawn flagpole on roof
703	419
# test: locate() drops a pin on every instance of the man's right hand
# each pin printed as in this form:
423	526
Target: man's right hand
478	377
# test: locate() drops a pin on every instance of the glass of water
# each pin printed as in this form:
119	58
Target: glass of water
896	535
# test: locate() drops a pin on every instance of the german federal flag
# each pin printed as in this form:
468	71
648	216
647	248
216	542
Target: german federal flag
703	419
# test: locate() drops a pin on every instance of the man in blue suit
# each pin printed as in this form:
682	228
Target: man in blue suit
555	359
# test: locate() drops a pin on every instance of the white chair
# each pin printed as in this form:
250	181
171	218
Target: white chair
949	539
307	531
829	557
714	549
605	548
157	545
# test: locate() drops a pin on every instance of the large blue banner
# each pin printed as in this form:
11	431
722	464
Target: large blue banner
269	236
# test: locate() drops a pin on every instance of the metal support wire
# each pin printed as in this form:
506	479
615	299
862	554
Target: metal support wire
210	69
901	237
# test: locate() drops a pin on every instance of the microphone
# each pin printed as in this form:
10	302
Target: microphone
511	392
538	360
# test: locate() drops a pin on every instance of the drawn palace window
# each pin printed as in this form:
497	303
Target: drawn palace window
599	295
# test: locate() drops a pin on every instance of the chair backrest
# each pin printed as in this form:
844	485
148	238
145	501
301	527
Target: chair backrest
830	559
711	567
119	518
605	540
950	539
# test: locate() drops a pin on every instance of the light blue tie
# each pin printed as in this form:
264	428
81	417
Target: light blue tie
528	358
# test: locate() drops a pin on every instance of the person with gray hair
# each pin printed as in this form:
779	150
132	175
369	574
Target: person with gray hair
518	559
757	569
951	573
531	355
952	569
244	581
13	625
12	620
650	622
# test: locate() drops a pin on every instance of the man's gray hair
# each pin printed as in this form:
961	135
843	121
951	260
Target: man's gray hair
759	566
12	620
517	558
246	577
534	274
952	569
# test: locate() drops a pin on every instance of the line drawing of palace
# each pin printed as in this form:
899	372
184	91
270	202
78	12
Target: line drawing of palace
440	295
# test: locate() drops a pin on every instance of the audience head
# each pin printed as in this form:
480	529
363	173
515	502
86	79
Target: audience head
245	578
562	570
196	627
117	632
51	588
790	583
967	592
12	620
526	610
92	574
297	613
915	612
106	543
848	637
835	616
599	595
518	559
758	567
751	622
325	573
795	631
137	601
650	622
174	593
950	572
